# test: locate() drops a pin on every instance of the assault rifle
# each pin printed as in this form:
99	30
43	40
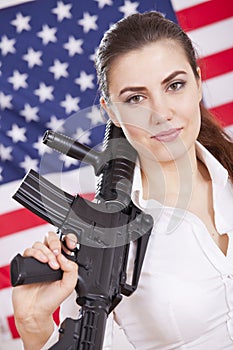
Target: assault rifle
104	228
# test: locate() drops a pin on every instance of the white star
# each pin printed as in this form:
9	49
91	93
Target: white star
95	116
70	104
21	22
73	46
5	101
29	163
30	113
41	147
47	34
59	69
85	81
93	56
68	161
102	3
44	92
62	11
33	58
82	136
129	8
1	170
18	80
55	124
88	22
17	134
5	153
7	45
0	68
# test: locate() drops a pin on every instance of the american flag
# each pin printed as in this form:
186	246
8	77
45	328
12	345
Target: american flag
48	81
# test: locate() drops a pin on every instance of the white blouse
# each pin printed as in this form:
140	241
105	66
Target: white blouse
184	299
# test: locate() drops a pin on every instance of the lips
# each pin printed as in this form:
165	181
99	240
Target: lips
167	135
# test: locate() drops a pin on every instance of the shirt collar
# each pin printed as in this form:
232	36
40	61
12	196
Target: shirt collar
218	174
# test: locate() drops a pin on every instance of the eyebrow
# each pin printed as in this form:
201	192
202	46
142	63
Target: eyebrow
166	80
173	75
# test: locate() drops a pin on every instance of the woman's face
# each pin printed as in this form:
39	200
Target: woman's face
154	97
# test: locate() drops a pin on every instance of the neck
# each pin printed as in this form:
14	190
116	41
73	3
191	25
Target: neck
171	183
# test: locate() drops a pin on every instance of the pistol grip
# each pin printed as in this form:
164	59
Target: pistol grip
26	270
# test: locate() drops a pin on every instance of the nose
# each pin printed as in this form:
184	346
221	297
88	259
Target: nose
161	111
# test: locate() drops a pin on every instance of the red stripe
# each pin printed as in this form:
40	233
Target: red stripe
56	316
5	277
18	220
23	219
204	14
224	113
217	64
11	323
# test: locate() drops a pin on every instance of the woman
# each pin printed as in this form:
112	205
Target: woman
151	88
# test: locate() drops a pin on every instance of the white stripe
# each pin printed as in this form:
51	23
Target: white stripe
6	305
7	311
213	38
229	130
12	344
18	242
183	4
218	90
73	182
8	3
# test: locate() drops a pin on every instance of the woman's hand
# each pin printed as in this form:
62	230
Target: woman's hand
35	304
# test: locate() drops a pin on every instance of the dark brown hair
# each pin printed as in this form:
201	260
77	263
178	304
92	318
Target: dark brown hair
138	30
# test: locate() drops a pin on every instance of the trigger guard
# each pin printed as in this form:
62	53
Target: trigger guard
72	255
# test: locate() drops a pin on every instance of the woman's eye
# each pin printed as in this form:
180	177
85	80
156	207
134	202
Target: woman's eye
135	99
177	85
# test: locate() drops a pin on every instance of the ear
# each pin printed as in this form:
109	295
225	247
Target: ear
108	109
199	82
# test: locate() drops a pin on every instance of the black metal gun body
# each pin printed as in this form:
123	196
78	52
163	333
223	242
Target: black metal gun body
104	230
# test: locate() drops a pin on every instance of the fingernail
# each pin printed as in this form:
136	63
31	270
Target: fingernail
72	243
54	263
56	251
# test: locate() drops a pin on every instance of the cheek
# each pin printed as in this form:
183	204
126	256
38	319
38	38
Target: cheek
195	116
192	125
136	136
190	110
132	117
132	132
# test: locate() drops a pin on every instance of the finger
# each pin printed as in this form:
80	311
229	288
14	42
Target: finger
70	275
37	254
53	242
41	250
71	241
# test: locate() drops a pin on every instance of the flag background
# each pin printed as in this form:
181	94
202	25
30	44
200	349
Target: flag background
48	81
